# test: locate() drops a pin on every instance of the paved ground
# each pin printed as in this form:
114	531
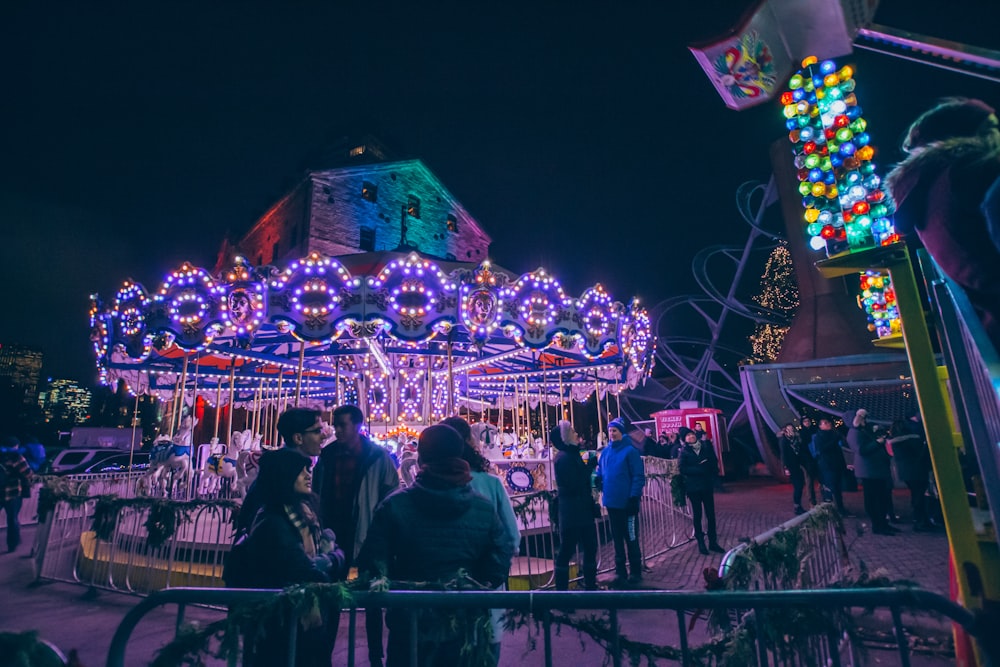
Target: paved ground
63	614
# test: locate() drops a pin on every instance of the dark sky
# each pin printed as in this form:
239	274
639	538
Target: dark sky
586	139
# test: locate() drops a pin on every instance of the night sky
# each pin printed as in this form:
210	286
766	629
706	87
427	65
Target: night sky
586	140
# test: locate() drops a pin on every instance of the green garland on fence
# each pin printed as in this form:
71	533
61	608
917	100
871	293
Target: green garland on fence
266	618
163	517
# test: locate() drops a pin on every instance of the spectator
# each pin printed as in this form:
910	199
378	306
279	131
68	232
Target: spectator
953	159
700	467
490	487
677	444
285	546
871	465
799	463
17	478
651	447
352	477
827	446
300	429
428	532
908	447
807	429
621	477
33	452
576	507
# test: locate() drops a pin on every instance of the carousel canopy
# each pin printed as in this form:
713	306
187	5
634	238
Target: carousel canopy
383	330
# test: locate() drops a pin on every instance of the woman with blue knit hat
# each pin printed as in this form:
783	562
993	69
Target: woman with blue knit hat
621	477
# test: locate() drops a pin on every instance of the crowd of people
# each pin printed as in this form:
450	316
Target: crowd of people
815	456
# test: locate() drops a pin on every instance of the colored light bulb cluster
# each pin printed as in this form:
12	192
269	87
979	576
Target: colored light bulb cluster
539	297
846	207
879	302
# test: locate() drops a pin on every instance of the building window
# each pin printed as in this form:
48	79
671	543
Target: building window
452	223
367	242
369	192
357	150
412	206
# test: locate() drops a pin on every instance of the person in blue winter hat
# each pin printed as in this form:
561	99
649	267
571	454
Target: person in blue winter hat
621	477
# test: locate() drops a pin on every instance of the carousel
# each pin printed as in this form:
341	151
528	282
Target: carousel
407	338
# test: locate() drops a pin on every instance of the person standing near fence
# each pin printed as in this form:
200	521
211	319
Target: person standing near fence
799	464
699	466
827	446
908	447
621	477
490	487
16	477
576	507
353	475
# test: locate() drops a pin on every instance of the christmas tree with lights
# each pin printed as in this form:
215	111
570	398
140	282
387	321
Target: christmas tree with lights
778	297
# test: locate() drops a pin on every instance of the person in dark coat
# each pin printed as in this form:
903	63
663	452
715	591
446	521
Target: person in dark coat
908	446
17	487
576	507
827	446
699	466
285	546
428	532
953	159
799	463
872	467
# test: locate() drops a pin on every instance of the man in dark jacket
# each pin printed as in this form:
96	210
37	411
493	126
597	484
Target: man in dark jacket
908	446
699	466
17	487
827	446
353	475
799	464
872	466
576	507
428	532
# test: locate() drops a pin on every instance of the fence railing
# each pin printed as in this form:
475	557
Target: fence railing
612	644
68	549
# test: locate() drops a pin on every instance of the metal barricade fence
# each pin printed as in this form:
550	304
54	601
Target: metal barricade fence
122	484
762	650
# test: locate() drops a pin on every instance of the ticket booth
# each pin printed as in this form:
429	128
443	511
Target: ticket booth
710	420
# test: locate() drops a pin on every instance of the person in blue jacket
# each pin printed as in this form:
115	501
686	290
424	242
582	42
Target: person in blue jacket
621	477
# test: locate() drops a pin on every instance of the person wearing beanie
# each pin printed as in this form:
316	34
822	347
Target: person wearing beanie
577	509
285	546
490	487
953	159
428	532
872	468
621	477
699	466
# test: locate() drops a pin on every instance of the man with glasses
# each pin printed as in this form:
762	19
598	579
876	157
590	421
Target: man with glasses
352	477
300	429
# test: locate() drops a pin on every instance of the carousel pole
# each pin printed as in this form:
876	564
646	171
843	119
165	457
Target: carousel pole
515	413
258	406
131	442
597	403
336	398
298	379
277	405
451	383
232	392
562	399
180	412
618	396
527	410
218	404
500	399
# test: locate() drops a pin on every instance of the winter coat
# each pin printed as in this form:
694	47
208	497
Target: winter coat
795	453
913	459
699	468
376	477
277	556
576	503
871	459
828	446
938	193
425	533
491	488
620	473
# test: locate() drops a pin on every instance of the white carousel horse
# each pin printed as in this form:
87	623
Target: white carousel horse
220	469
248	462
408	467
170	463
487	435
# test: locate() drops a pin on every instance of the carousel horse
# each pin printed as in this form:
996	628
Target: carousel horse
170	462
248	462
220	469
487	435
408	467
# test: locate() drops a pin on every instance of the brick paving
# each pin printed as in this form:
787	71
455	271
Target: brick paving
63	614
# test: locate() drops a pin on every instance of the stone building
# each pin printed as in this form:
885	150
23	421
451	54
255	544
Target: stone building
360	201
